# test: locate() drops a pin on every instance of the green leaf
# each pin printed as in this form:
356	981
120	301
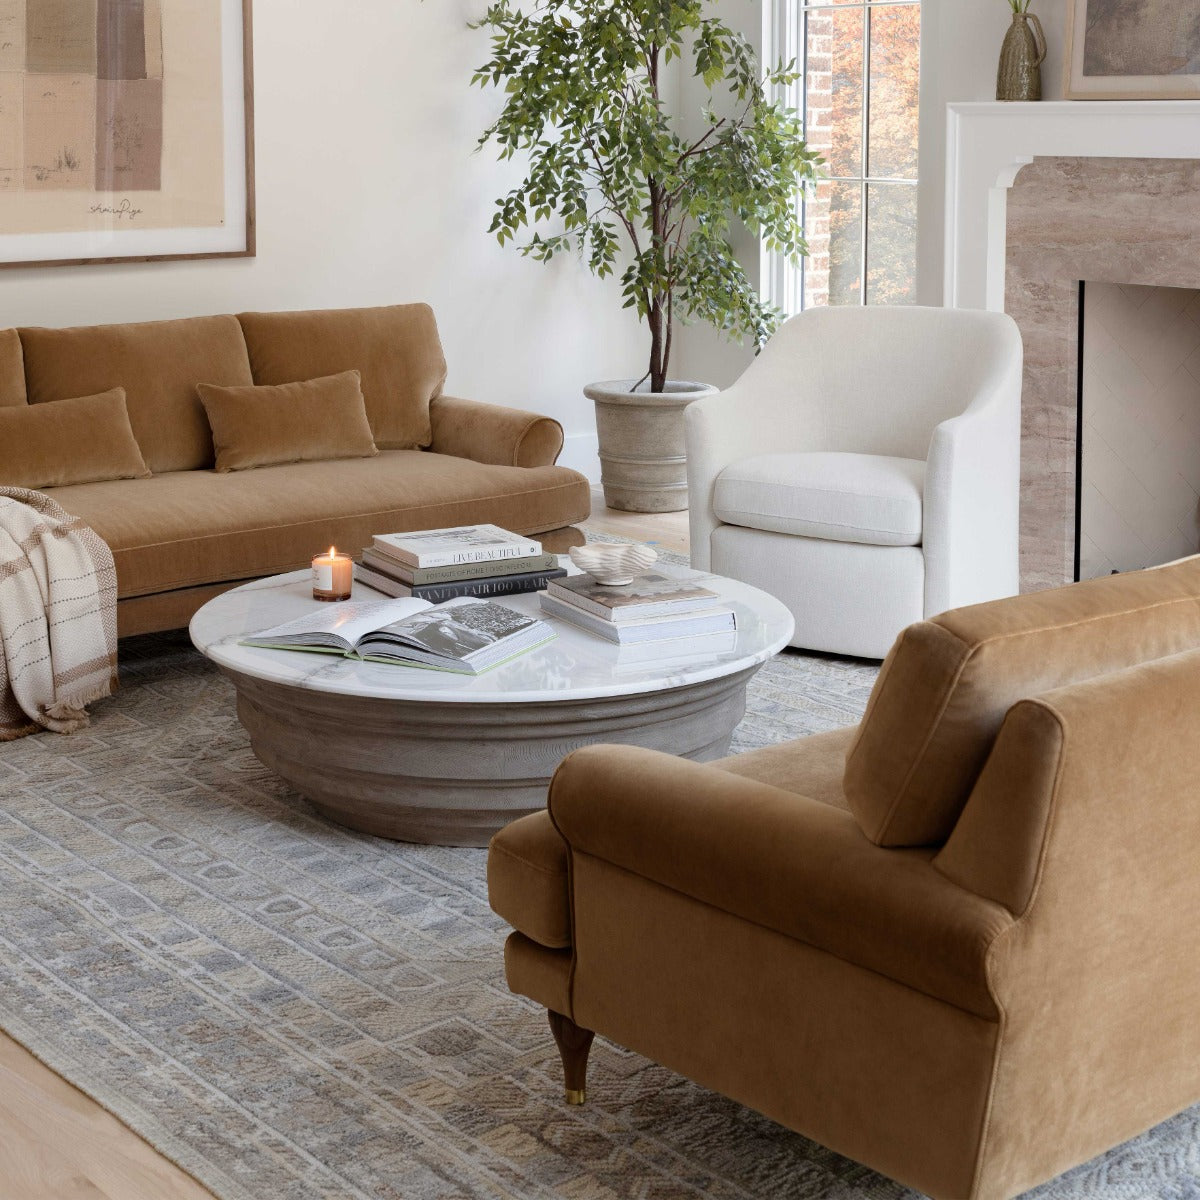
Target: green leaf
619	177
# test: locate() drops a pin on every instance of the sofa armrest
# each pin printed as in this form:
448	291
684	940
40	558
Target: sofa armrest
490	433
781	860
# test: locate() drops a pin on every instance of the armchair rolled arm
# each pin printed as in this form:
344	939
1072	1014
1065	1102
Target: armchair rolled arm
780	860
491	433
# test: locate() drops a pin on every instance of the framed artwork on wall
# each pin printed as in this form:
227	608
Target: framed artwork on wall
1133	49
126	131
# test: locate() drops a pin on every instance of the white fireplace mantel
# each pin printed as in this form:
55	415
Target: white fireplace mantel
988	144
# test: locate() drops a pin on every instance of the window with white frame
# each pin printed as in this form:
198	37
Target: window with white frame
860	63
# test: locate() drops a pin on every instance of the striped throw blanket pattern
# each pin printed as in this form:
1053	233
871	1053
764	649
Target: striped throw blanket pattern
58	616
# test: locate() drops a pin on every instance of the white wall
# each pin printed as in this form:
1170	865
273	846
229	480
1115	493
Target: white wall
701	353
369	193
960	50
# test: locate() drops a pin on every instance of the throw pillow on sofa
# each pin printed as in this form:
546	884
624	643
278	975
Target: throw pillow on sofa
259	426
83	440
396	348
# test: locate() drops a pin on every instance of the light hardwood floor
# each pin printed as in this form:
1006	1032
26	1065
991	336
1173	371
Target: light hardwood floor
58	1144
665	531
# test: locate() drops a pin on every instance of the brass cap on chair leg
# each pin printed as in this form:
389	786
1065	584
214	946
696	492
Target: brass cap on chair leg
576	1095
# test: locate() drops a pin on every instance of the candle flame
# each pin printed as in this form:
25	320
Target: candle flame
332	551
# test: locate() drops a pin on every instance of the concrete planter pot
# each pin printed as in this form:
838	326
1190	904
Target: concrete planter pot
643	460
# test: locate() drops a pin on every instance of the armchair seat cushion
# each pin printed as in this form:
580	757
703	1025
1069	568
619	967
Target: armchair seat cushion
812	766
868	498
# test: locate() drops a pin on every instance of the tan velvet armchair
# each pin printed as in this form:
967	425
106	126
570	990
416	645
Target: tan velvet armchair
960	943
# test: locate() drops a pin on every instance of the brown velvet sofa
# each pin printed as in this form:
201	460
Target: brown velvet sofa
187	533
959	943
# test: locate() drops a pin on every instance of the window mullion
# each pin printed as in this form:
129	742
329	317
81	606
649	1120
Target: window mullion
863	228
804	200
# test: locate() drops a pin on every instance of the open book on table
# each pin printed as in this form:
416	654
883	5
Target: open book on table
466	636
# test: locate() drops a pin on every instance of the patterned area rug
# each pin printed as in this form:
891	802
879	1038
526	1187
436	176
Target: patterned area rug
291	1010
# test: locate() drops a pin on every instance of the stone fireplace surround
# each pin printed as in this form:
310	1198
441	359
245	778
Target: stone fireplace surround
1039	198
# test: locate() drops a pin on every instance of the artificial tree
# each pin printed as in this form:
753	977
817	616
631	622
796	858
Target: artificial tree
583	83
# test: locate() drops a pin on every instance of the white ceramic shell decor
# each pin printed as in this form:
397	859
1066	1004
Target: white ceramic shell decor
611	564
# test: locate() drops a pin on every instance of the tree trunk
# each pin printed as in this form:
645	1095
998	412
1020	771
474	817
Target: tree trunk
659	321
659	316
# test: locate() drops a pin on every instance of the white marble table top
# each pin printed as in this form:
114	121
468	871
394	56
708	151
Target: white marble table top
577	665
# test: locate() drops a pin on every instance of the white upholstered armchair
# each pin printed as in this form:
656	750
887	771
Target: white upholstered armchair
865	469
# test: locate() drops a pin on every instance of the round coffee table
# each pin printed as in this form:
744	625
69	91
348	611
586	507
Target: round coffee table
425	756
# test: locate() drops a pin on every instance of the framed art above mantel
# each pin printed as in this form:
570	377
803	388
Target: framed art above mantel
1133	49
126	131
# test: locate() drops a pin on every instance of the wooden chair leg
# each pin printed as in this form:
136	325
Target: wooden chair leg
574	1044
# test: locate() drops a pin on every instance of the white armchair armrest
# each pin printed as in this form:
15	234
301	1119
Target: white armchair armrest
719	431
972	499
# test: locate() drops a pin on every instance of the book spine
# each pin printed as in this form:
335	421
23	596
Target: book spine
583	620
458	558
565	596
420	576
381	581
505	585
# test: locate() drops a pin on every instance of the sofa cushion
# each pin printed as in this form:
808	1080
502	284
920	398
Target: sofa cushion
527	880
396	349
158	363
947	684
195	527
12	369
264	424
838	497
70	441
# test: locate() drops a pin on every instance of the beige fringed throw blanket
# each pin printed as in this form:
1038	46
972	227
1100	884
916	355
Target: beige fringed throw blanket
58	616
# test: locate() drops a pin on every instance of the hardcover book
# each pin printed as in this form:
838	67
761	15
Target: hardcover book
464	636
652	629
650	595
385	564
437	593
455	546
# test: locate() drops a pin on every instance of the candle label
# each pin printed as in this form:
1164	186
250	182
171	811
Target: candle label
322	577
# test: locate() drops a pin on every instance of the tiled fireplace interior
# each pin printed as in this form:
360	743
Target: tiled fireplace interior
1139	487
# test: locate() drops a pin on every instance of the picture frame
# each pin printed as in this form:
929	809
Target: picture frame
126	131
1131	50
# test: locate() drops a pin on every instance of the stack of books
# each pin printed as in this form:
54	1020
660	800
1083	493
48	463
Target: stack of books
652	608
446	564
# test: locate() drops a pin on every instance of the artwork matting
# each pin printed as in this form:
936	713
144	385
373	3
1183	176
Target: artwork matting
126	131
1132	50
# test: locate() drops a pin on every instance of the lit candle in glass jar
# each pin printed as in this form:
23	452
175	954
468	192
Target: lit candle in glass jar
332	575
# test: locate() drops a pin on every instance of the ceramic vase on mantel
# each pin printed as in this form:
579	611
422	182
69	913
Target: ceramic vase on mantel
643	459
1019	76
